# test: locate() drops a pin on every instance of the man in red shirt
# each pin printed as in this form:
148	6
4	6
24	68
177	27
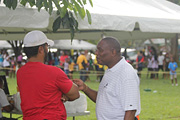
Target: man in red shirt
139	62
43	88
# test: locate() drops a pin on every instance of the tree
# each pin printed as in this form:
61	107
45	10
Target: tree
65	10
175	1
16	46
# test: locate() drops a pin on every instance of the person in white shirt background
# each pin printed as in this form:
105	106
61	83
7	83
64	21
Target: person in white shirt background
160	63
118	97
4	104
154	66
6	63
149	66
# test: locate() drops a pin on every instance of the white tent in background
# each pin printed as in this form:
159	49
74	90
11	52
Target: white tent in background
4	44
160	41
124	19
76	45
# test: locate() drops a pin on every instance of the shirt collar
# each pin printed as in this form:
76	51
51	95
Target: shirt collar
115	67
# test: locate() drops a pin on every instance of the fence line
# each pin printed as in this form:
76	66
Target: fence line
89	72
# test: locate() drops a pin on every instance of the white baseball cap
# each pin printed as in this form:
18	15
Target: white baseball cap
35	38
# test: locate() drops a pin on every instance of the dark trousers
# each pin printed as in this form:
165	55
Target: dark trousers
161	67
139	71
83	75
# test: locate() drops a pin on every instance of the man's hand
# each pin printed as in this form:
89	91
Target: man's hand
92	94
129	115
80	84
64	98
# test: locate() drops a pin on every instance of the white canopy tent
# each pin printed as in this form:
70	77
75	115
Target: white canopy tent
124	19
76	45
4	44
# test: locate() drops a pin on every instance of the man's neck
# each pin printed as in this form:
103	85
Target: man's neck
115	61
35	59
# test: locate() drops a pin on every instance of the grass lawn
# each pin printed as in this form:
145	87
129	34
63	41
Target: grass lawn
161	103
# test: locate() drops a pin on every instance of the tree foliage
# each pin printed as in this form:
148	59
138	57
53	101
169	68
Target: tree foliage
65	10
175	1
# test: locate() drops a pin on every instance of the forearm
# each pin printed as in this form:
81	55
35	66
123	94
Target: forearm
130	115
92	94
73	93
73	97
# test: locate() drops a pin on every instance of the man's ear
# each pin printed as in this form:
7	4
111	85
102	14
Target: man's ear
40	50
114	52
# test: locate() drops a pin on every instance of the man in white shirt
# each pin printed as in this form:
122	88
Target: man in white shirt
3	100
118	97
160	62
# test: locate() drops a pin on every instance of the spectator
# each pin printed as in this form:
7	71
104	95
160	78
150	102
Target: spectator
43	88
154	66
13	67
20	64
6	63
56	61
96	67
62	59
71	68
82	63
149	66
66	66
99	70
50	58
88	56
160	63
165	65
118	97
86	53
139	63
172	67
91	64
19	58
4	104
1	59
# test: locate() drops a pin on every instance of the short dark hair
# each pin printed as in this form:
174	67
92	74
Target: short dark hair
113	42
32	51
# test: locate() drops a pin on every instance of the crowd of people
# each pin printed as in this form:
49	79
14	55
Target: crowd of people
63	59
156	62
82	61
10	64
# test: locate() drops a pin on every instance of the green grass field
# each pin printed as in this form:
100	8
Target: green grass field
161	103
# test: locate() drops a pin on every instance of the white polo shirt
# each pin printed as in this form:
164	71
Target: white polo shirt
3	101
160	59
118	92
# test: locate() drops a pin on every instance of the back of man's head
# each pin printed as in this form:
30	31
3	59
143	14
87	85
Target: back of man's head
33	40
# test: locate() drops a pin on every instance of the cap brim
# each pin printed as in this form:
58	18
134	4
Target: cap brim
50	42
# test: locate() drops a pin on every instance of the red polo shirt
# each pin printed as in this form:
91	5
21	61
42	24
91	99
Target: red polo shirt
41	87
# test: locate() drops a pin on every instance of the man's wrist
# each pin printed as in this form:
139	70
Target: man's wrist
85	89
